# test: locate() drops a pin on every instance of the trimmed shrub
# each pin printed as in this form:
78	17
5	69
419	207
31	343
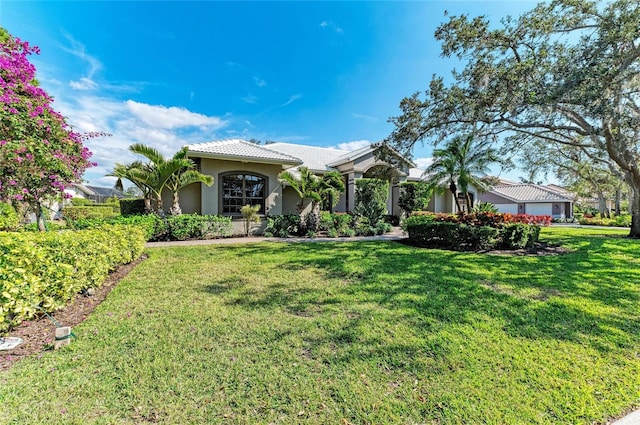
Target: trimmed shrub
46	269
414	196
134	206
193	226
371	200
8	217
426	232
91	211
623	220
179	227
281	226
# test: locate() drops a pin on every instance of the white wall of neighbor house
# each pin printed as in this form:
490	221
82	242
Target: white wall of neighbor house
507	208
210	195
538	208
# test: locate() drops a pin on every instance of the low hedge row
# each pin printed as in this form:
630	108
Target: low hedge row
481	218
91	211
44	270
179	227
623	220
464	237
334	224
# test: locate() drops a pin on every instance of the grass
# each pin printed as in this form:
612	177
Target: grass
351	333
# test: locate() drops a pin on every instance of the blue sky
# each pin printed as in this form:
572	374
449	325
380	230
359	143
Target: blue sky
171	73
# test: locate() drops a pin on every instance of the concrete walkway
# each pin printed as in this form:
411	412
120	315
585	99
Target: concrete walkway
394	235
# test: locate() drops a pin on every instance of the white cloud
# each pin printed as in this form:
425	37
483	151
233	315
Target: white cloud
331	25
133	122
250	99
83	84
259	81
367	118
423	162
292	99
353	145
94	65
171	117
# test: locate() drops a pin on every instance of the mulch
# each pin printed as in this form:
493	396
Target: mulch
39	335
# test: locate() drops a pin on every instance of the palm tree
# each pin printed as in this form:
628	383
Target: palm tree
304	184
324	189
460	163
184	177
160	173
126	171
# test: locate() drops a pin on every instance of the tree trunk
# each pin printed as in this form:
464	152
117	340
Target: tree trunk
147	204
159	206
467	197
175	205
454	191
602	207
40	218
618	200
634	204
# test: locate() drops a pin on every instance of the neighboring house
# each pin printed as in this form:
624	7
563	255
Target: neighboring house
530	199
247	173
94	193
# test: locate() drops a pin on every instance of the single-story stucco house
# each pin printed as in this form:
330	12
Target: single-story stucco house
247	173
529	199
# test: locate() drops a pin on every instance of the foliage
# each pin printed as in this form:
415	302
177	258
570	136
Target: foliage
8	217
371	200
414	196
563	74
45	270
471	237
282	226
156	228
484	207
193	226
623	220
91	211
39	153
133	206
160	173
249	215
459	165
321	190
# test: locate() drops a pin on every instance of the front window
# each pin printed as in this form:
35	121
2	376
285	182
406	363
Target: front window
240	189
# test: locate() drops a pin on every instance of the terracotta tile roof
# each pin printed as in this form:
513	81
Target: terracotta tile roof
240	149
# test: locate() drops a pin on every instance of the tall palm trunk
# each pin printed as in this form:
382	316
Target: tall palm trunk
175	205
454	191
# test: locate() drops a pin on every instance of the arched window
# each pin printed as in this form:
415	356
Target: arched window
239	189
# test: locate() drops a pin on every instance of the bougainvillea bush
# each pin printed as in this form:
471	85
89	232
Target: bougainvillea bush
39	153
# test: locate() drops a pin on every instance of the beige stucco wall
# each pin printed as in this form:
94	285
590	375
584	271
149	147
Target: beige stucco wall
210	195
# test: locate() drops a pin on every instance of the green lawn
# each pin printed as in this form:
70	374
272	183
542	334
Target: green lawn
358	332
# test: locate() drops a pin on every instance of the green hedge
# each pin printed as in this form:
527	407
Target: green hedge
133	206
91	211
46	269
8	217
179	227
463	237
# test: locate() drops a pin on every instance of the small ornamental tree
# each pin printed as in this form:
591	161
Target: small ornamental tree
39	154
371	199
414	196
